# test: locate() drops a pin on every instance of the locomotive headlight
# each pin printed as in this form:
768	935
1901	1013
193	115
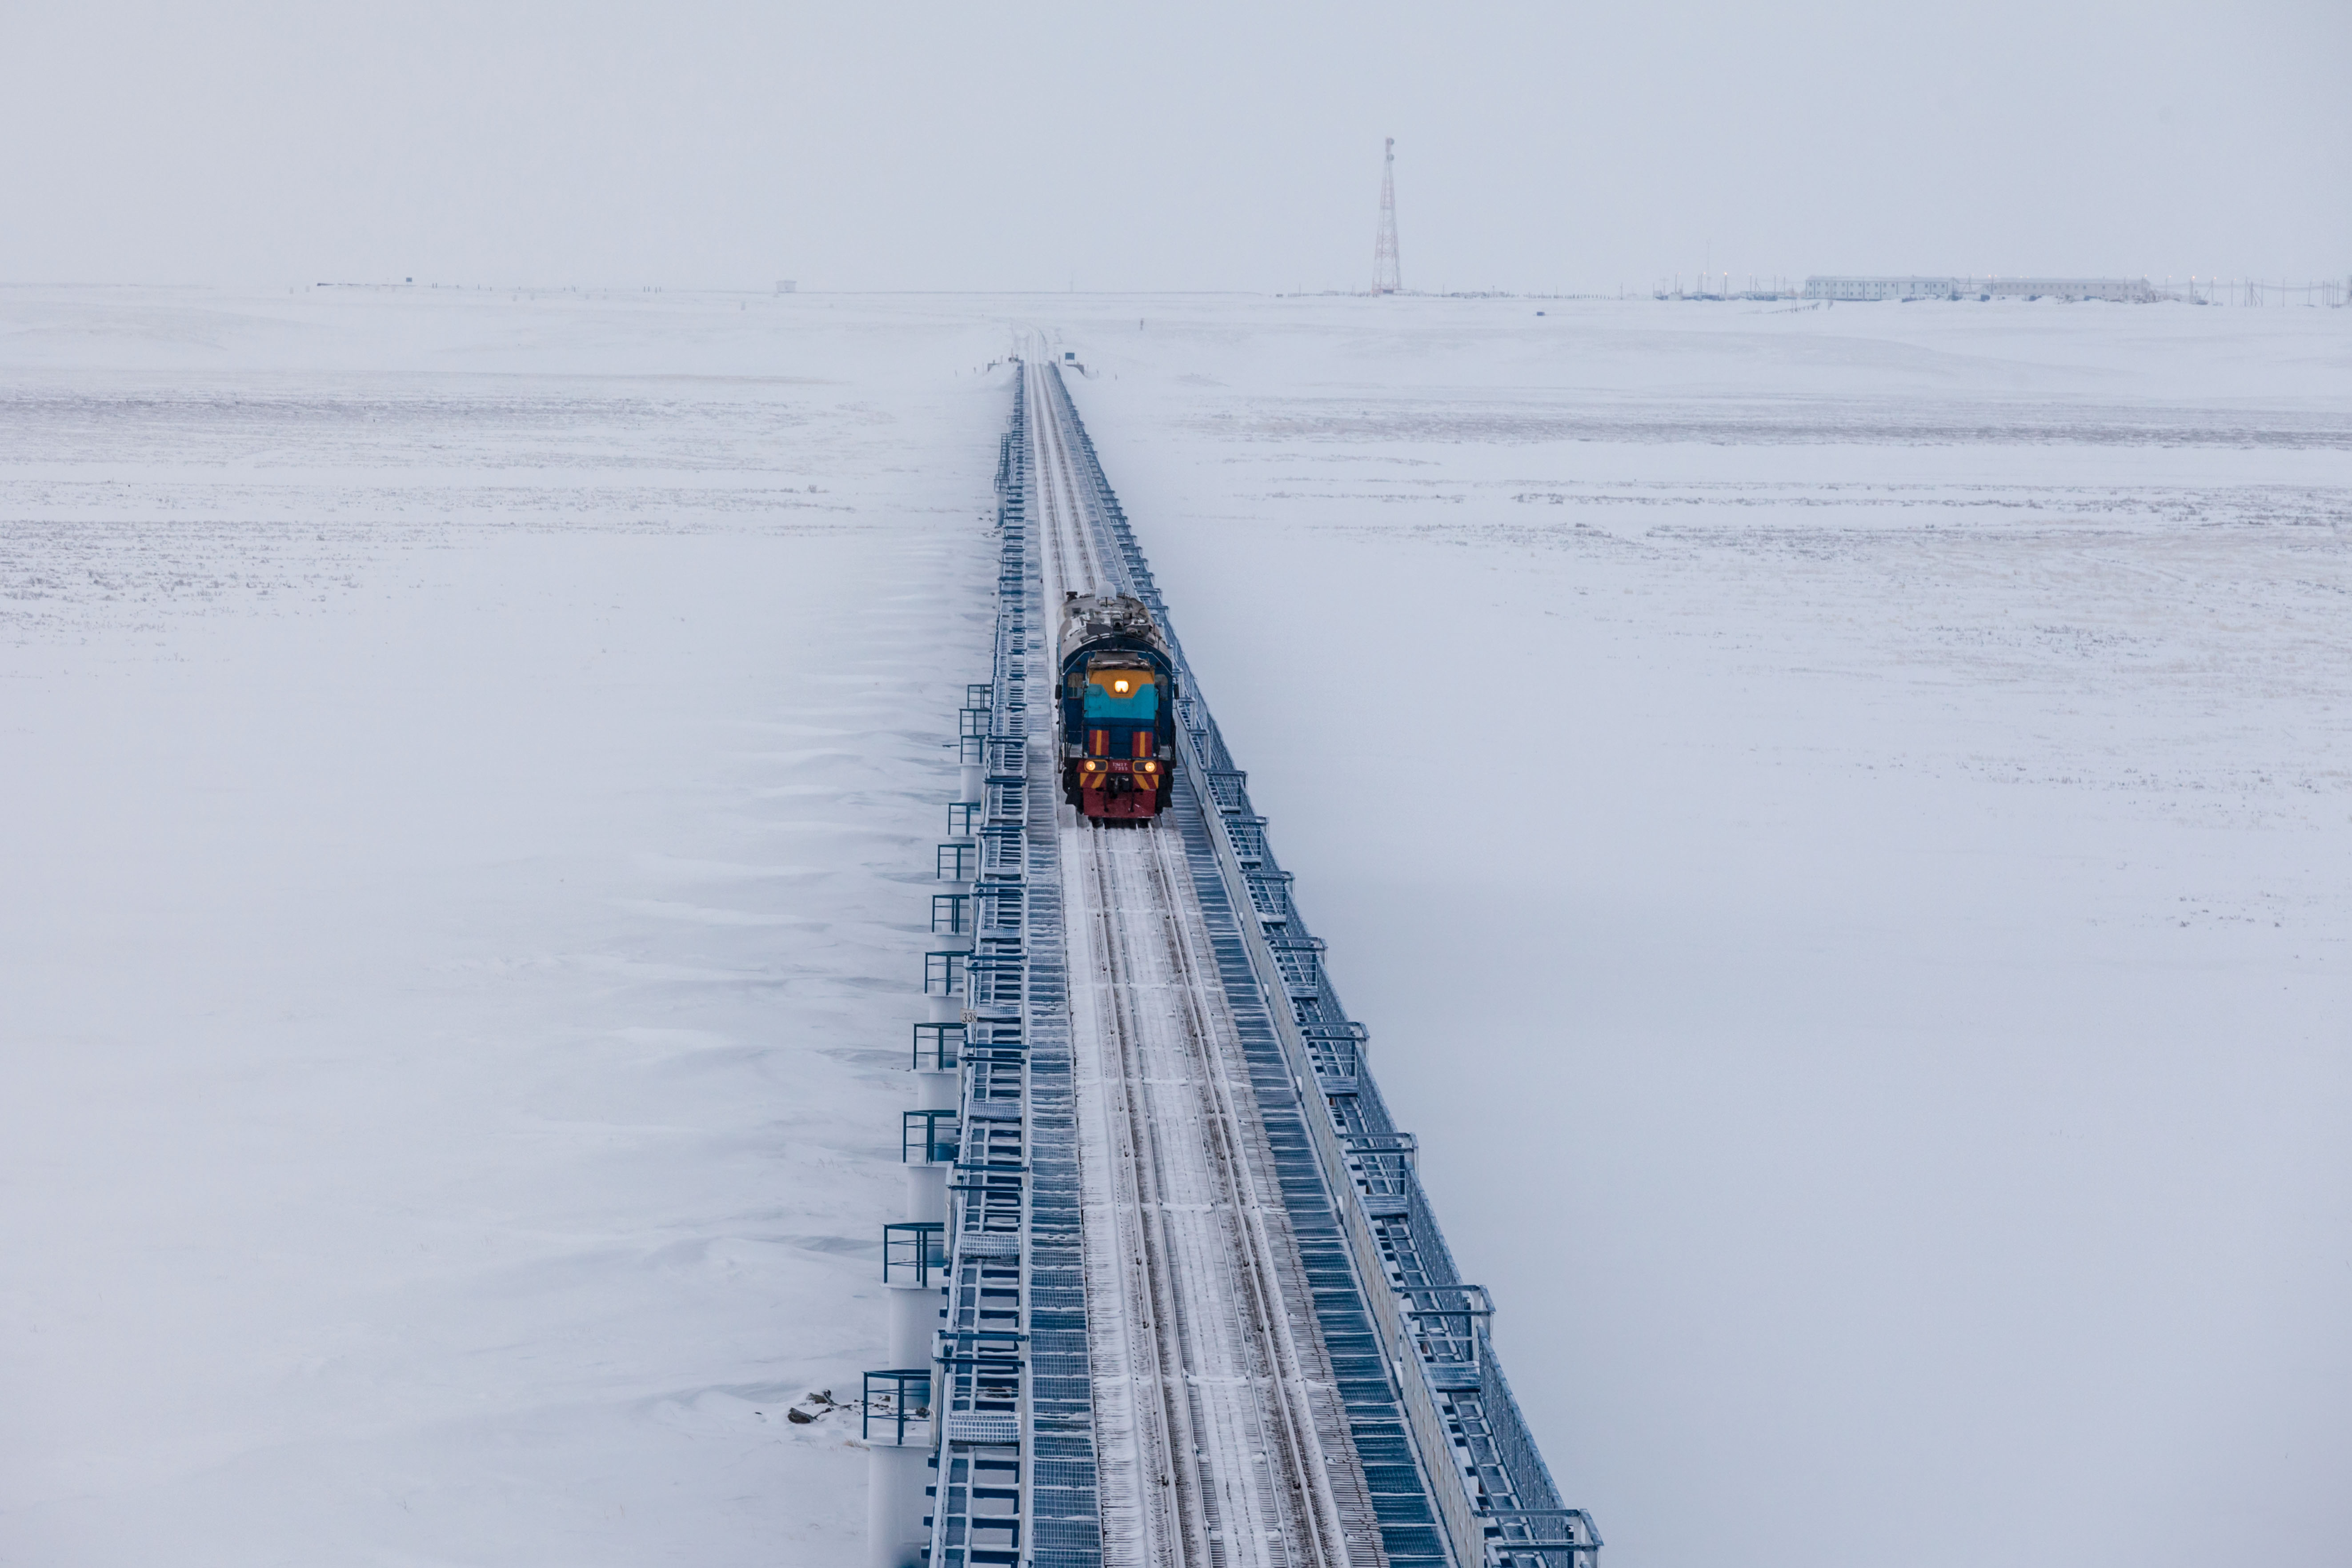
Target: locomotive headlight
1147	767
1119	687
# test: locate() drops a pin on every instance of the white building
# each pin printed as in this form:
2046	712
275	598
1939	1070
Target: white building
2126	291
1818	287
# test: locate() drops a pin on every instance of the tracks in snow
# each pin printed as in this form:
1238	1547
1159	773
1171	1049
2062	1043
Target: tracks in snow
1208	1369
1068	523
1221	1438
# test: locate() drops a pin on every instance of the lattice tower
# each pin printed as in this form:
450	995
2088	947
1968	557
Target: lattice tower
1386	279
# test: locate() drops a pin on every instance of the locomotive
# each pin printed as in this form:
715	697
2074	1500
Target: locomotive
1118	710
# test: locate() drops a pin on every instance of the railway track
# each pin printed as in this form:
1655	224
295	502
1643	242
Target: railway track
1222	1439
1072	557
1194	1310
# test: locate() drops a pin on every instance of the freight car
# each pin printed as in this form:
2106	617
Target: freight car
1118	710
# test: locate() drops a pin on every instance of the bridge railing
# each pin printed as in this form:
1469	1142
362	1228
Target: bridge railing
1441	1352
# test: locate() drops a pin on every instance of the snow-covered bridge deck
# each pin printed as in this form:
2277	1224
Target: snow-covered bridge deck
1196	1312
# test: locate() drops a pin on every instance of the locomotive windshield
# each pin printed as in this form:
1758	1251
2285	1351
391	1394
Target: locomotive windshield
1132	695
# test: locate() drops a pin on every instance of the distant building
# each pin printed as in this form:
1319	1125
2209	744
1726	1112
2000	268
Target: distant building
787	287
1882	288
2124	291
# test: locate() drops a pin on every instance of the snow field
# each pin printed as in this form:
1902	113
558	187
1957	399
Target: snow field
1837	822
466	843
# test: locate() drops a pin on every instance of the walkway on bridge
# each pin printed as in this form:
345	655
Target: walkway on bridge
1178	1290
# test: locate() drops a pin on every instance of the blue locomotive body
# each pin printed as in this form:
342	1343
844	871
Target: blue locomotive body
1117	698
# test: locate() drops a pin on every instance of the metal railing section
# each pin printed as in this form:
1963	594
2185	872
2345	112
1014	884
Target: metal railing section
1493	1495
895	1406
1014	1463
939	1047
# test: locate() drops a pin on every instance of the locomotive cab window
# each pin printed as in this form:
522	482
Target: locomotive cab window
1130	694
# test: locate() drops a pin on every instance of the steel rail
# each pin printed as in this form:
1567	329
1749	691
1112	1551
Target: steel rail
1229	1333
1301	1447
1480	1471
1232	1467
1231	1384
1072	553
1184	1511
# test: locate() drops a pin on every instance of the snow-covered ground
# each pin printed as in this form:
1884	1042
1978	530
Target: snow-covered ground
1841	825
1838	821
472	772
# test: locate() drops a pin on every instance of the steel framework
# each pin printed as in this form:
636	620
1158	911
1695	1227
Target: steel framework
1386	277
1454	1476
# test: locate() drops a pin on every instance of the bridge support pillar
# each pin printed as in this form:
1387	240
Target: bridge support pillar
896	1536
927	1199
914	1322
938	1091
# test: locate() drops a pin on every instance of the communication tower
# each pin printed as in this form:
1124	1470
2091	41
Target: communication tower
1386	279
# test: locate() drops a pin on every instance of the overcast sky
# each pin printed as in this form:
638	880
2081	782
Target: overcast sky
1205	146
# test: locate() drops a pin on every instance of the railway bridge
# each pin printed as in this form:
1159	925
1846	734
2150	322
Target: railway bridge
1169	1293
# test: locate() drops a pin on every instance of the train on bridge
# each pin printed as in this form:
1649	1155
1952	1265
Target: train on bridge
1118	710
1169	1291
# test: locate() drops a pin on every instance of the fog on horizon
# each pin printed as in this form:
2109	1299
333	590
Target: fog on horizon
1864	1015
727	145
